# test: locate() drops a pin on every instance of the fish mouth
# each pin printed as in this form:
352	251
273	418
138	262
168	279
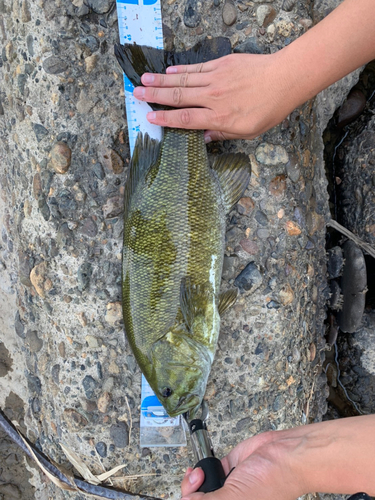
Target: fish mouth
185	404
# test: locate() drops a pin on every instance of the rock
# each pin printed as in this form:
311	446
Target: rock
34	384
10	492
99	6
114	313
244	423
292	168
351	108
98	171
249	246
278	185
335	301
120	434
261	218
250	46
245	206
229	266
37	278
101	448
271	154
89	228
93	342
229	13
353	287
33	342
288	5
292	228
113	207
286	295
249	279
84	275
91	62
265	15
39	131
103	402
55	372
74	420
61	157
54	65
192	16
25	12
111	160
89	385
90	42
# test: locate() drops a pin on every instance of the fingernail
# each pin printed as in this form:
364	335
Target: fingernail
147	78
151	116
194	476
171	69
139	92
207	139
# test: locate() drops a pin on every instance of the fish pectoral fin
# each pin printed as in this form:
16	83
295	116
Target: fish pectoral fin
233	172
145	155
227	299
192	301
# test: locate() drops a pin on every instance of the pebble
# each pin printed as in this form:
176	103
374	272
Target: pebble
335	262
263	233
37	278
99	6
351	108
89	228
113	207
25	12
84	275
249	279
91	62
249	246
33	383
229	267
353	287
61	156
74	420
271	154
286	295
55	372
265	14
272	304
229	13
89	385
292	168
39	131
103	402
89	41
98	171
261	218
54	65
192	17
120	434
245	205
278	403
33	342
114	313
292	228
10	492
101	448
250	46
93	342
111	160
244	423
288	5
335	300
278	185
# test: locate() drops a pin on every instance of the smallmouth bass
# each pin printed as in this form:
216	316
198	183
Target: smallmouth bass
174	235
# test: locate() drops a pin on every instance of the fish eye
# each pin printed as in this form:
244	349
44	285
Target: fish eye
166	392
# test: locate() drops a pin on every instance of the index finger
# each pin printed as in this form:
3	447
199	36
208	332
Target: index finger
192	68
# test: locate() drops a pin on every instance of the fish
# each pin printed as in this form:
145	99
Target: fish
175	211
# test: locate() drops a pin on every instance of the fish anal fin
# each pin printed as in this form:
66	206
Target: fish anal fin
227	299
233	173
145	155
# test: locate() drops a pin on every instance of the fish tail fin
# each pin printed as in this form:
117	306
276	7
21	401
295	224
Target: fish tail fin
138	59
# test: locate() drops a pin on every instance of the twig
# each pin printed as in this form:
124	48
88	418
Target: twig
130	418
366	247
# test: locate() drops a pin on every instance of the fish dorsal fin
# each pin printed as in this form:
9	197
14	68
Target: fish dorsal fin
138	59
145	154
227	299
233	172
192	301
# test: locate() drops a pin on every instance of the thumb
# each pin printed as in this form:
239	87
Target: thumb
230	491
216	135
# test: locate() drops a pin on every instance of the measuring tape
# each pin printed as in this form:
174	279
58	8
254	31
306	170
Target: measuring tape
139	21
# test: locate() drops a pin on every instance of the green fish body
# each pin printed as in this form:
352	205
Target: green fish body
174	234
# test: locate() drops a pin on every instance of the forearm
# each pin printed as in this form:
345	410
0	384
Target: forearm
339	44
334	457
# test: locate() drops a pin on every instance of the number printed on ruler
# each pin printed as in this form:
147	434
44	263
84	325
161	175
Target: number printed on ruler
139	21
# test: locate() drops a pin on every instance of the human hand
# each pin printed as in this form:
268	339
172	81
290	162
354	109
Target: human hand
262	471
233	97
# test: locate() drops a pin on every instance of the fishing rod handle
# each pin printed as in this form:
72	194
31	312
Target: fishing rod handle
214	475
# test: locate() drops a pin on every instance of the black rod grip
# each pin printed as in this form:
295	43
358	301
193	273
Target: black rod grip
214	475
